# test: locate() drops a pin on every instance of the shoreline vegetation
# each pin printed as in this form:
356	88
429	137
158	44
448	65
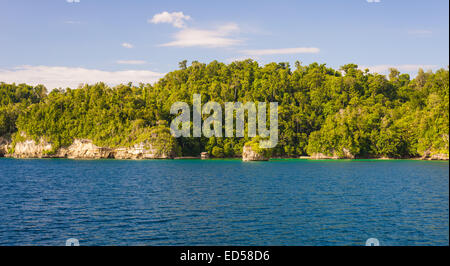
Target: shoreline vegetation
302	158
323	114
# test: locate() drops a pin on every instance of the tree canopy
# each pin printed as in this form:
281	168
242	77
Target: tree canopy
321	110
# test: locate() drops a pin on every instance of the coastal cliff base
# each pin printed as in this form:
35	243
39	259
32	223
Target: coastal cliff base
86	149
4	146
248	154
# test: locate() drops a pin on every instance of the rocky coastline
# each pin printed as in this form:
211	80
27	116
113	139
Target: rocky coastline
81	149
86	149
248	154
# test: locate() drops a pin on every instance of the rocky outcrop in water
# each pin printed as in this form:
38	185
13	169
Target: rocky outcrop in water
248	154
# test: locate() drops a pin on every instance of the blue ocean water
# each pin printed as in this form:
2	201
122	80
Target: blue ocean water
223	202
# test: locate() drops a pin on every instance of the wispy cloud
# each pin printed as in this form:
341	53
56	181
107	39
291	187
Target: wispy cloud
176	19
60	76
420	33
297	50
72	22
72	1
218	37
131	62
241	58
127	45
384	69
373	1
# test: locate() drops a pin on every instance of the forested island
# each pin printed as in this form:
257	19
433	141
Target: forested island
323	113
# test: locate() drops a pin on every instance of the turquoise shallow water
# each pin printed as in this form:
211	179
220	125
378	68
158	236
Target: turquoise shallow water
223	202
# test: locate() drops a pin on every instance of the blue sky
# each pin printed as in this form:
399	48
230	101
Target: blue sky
68	42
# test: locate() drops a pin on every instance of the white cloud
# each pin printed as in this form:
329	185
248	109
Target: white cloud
127	45
420	33
241	58
218	37
131	62
373	1
177	19
384	69
189	37
72	22
72	1
59	76
297	50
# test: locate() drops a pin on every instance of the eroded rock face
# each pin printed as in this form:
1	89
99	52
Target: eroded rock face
318	156
4	146
439	156
84	149
31	149
249	155
141	151
345	155
429	155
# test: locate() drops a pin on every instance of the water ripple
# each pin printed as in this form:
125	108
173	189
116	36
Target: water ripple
223	202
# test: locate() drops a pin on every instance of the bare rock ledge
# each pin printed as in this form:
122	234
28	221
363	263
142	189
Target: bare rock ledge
86	149
248	154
